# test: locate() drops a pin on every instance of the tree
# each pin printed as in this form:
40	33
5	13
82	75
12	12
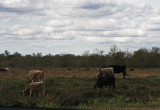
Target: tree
7	53
114	49
140	57
86	53
154	60
117	57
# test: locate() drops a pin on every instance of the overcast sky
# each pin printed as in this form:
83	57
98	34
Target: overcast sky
75	26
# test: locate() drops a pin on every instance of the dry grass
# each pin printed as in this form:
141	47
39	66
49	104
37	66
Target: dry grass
77	72
145	72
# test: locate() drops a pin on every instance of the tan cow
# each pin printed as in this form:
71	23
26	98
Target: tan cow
105	77
35	75
35	86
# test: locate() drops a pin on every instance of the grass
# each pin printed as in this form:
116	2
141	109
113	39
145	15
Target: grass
74	89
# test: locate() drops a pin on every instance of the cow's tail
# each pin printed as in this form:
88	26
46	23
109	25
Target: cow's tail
126	69
44	77
95	86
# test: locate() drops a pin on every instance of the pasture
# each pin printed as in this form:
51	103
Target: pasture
74	89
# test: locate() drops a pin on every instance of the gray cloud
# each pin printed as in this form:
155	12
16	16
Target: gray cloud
24	9
78	25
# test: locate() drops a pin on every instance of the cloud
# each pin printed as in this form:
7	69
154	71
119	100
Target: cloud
87	24
19	7
59	23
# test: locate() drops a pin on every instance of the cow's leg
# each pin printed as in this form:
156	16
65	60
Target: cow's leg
30	93
124	74
34	92
113	85
39	93
109	87
95	86
43	92
23	92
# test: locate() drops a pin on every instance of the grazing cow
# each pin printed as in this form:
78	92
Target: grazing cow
34	86
119	69
131	69
35	75
69	69
4	69
104	71
105	77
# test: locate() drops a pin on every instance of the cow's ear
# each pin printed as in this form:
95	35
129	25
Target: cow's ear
27	78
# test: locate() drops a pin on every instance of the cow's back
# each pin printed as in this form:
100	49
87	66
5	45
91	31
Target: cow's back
36	74
105	72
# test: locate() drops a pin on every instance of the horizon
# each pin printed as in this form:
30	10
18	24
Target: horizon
86	52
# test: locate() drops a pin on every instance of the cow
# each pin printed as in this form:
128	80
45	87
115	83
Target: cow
4	69
35	75
69	69
105	77
103	71
119	69
131	69
35	86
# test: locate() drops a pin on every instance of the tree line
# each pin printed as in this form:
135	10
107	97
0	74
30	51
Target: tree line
141	58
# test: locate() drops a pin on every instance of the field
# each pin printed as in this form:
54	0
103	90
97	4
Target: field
74	89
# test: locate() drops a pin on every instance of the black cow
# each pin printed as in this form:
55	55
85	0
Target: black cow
4	69
105	78
119	69
131	69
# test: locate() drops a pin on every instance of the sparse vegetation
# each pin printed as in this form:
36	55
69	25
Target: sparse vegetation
74	89
142	58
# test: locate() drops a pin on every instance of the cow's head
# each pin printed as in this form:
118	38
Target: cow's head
28	80
99	69
23	92
99	74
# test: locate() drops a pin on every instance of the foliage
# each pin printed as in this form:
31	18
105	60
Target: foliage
141	58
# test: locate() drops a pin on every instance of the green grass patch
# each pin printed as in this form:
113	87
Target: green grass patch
78	92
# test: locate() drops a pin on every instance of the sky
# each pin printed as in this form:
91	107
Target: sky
76	26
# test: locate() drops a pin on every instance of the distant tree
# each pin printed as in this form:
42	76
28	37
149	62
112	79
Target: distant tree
17	54
86	53
140	58
114	49
6	53
16	60
2	60
154	60
117	57
67	60
98	52
128	58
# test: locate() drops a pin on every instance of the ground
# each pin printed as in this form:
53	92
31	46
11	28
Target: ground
74	89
